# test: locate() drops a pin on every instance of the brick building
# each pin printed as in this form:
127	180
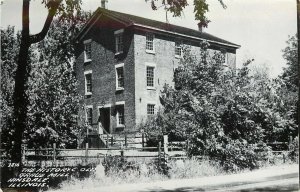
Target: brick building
122	63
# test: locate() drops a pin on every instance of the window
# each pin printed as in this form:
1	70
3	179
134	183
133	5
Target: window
89	115
225	57
150	109
178	49
88	82
120	76
150	42
119	43
120	115
150	76
87	50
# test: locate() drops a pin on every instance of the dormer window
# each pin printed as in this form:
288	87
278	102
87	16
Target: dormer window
178	49
150	43
87	50
119	41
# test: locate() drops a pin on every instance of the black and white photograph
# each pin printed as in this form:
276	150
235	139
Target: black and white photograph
149	95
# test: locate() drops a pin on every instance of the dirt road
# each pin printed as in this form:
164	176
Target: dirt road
279	178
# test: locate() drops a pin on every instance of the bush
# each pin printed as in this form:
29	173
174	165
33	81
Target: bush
193	167
237	155
293	154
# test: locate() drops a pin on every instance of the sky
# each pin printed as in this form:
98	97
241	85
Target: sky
261	27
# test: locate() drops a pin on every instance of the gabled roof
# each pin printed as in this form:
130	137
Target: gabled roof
132	20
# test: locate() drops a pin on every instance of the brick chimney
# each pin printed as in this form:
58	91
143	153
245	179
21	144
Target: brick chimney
103	2
200	27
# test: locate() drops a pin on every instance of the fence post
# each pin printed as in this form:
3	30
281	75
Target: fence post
24	154
187	146
143	141
290	142
111	141
159	154
125	140
107	138
86	151
166	144
54	154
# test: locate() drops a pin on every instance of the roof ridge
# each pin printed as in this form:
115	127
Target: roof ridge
130	19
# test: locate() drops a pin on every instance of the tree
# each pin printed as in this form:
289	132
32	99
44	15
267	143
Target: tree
290	54
52	87
54	100
66	10
176	7
290	73
227	116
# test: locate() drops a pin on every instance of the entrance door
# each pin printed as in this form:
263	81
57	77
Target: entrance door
105	118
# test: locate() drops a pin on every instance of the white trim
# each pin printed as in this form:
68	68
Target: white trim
85	87
88	107
147	64
119	31
104	106
119	65
181	47
151	103
179	34
88	72
120	103
117	35
116	72
153	41
87	41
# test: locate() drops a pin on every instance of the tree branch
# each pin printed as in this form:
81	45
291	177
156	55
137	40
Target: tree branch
25	19
53	6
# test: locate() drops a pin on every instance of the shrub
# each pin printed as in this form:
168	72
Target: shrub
193	167
293	154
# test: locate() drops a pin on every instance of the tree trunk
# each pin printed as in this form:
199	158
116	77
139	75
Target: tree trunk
20	99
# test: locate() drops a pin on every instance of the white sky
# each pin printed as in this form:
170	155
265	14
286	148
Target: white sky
261	27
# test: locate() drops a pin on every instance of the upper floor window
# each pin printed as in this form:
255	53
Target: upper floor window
150	109
87	50
119	41
225	58
120	76
88	82
150	42
150	76
178	49
89	115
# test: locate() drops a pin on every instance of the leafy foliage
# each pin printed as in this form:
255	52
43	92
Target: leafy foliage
176	8
228	116
54	102
290	54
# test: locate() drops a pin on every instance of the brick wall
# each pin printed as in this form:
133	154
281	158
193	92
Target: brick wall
103	73
165	62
